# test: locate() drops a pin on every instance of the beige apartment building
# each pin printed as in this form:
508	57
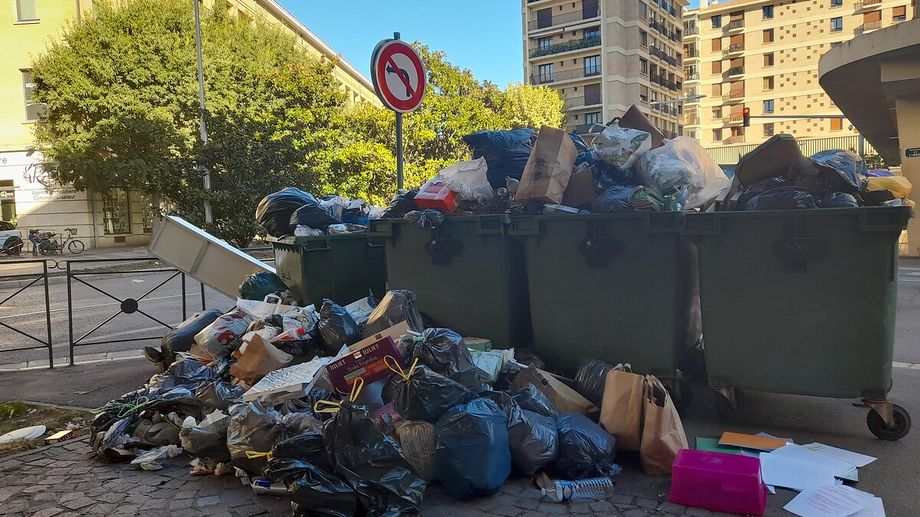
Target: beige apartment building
603	56
763	55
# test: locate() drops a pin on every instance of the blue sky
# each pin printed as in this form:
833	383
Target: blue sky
482	35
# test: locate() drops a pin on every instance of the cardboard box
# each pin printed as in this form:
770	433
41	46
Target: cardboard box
60	436
367	363
580	191
566	399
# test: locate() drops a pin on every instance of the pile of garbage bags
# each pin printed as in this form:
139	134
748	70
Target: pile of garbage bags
292	211
352	410
776	176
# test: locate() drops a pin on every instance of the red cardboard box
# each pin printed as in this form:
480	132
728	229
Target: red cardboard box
366	363
437	196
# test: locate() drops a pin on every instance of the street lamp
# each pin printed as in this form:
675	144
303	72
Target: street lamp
206	179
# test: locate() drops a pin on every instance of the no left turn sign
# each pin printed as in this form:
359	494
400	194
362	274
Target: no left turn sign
398	75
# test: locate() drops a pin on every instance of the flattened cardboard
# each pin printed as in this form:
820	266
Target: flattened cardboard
749	441
566	399
580	191
395	332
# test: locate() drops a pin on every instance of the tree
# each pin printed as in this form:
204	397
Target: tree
122	110
533	106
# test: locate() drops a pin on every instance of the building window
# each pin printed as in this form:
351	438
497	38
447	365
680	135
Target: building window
544	18
116	212
544	43
768	106
7	204
34	111
593	118
716	67
899	14
767	12
717	44
717	112
768	83
25	11
768	129
546	73
589	9
836	124
643	38
592	94
592	32
836	3
768	36
717	90
837	24
643	10
717	135
643	66
592	65
149	212
768	59
716	21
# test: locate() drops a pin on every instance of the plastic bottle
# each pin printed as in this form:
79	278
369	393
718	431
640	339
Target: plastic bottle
591	488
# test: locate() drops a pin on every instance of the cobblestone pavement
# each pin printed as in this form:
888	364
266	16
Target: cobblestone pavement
61	480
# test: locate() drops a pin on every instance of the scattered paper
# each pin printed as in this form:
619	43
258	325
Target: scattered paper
841	469
854	458
783	471
875	508
749	441
771	489
830	501
712	445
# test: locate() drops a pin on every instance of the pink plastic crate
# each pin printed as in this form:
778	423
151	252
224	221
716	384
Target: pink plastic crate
721	482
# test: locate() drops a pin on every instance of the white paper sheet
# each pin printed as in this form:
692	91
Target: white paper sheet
829	501
783	471
771	489
842	469
875	508
855	458
768	435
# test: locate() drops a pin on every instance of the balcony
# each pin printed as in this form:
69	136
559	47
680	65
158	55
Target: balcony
735	139
735	25
662	55
692	54
691	119
735	71
737	48
566	46
574	103
562	19
867	4
691	31
868	26
566	75
733	97
735	119
587	129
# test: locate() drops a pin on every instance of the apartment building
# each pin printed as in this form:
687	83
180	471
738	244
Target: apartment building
116	218
763	55
603	56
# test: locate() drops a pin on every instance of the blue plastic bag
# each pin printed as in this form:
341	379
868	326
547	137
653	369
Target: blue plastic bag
472	456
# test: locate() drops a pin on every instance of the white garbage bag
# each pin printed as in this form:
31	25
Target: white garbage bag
621	146
683	169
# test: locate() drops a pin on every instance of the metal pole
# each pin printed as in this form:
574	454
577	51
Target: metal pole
861	145
48	315
70	312
206	179
399	143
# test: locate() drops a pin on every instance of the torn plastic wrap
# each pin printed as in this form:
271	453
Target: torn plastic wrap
473	456
372	463
397	306
275	210
590	380
216	339
468	179
620	146
585	449
444	352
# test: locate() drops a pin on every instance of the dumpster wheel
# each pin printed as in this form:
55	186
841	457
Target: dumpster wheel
900	423
726	407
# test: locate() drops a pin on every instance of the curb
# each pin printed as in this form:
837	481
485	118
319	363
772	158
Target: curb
42	364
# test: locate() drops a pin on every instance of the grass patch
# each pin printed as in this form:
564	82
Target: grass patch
15	415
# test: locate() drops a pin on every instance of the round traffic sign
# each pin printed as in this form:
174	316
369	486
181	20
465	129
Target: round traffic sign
398	75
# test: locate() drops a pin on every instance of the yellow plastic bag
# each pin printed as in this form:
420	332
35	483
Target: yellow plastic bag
899	186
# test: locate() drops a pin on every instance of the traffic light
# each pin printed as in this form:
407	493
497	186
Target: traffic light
747	117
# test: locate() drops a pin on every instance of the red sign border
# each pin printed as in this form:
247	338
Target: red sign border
384	50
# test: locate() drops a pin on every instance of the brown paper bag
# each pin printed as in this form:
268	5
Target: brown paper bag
621	407
662	431
549	167
256	358
580	191
563	397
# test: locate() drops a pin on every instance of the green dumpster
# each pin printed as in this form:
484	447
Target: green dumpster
802	302
613	287
339	267
467	275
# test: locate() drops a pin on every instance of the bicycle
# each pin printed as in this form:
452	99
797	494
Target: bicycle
49	245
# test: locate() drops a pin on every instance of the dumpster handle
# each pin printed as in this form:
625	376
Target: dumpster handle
441	250
599	250
490	224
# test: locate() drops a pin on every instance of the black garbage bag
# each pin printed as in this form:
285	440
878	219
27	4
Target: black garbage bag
473	455
184	372
208	440
590	380
312	215
252	428
781	198
834	171
749	192
585	449
877	197
261	284
401	205
837	200
532	437
507	375
372	463
443	351
337	326
275	210
607	175
307	446
584	152
532	399
300	422
417	441
506	152
397	306
423	394
181	338
218	395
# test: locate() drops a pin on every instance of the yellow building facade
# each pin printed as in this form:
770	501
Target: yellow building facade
27	197
763	55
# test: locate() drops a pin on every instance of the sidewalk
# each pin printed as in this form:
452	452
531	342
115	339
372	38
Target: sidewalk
8	265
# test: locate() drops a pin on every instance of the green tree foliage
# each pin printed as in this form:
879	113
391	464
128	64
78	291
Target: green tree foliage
533	106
